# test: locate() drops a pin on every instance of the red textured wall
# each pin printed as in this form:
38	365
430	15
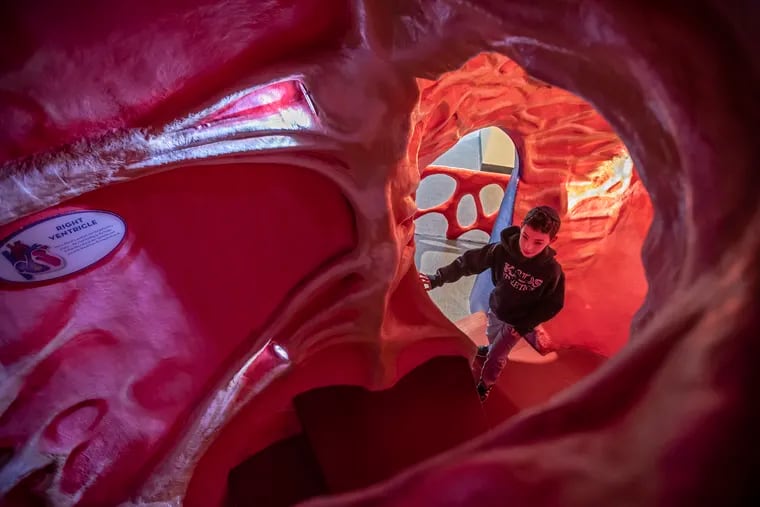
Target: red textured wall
565	148
292	224
467	182
141	337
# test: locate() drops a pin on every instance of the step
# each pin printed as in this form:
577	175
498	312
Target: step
361	437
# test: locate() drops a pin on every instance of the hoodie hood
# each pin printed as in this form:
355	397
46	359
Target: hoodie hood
510	240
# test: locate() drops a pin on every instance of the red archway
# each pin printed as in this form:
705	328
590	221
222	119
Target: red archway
99	408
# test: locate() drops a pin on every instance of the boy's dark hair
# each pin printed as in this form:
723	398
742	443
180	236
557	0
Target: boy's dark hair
544	219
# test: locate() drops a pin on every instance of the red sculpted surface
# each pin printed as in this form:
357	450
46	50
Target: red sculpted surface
470	183
267	154
571	159
139	339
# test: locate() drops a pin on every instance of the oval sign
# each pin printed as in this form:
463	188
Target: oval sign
59	245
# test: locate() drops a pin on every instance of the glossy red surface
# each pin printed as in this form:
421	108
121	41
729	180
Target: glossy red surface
266	155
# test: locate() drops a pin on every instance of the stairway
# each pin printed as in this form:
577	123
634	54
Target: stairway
353	438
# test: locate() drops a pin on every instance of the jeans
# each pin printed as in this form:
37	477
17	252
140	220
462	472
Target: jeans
501	338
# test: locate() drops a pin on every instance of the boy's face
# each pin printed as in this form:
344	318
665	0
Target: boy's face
533	242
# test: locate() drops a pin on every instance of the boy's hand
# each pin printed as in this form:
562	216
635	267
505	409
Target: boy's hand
426	282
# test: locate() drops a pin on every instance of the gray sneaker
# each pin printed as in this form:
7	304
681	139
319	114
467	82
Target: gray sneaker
483	391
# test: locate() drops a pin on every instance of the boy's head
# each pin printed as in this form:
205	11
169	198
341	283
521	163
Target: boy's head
539	229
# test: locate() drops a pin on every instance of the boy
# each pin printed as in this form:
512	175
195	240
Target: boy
529	286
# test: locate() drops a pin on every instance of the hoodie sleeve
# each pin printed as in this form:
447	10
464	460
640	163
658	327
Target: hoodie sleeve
471	262
549	306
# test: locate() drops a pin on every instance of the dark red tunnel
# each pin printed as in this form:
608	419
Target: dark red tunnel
208	293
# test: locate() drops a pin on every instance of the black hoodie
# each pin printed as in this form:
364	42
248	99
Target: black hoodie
527	291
